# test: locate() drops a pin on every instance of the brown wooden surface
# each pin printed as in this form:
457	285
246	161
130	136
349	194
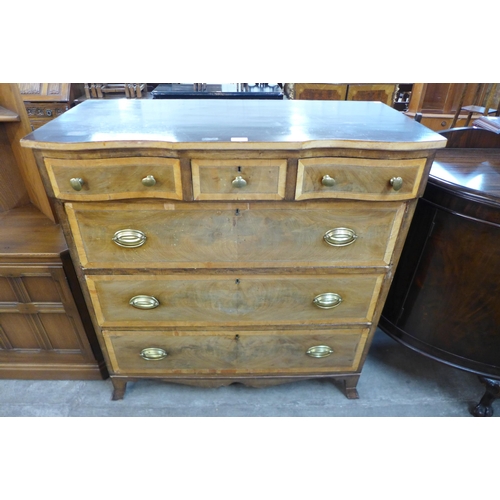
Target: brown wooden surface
26	232
224	300
473	170
250	352
246	125
470	137
212	179
446	97
13	192
40	92
114	179
372	92
7	115
208	235
444	301
223	268
25	165
41	330
321	91
439	102
363	179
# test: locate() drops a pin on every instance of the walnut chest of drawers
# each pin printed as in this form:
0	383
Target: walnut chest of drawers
234	241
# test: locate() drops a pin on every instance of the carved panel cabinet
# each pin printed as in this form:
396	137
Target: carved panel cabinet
234	241
45	329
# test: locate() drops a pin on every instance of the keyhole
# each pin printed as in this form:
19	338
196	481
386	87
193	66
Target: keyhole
239	169
236	337
237	281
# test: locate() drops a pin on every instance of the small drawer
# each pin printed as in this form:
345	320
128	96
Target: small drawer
358	178
122	301
238	352
235	235
115	178
238	179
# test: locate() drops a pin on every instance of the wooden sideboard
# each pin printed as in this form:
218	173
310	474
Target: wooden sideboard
46	101
445	298
382	92
234	241
45	328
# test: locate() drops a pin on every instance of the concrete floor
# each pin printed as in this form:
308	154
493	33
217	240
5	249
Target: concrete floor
395	382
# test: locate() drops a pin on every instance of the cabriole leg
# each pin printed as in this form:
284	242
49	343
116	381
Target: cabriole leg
484	408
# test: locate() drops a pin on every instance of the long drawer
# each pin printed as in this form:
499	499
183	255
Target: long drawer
237	352
187	300
232	235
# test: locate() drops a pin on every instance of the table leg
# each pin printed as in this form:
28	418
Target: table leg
119	386
484	408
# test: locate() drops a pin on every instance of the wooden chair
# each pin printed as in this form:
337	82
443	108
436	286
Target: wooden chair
477	108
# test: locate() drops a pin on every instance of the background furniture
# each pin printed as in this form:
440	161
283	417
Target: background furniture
439	102
445	298
384	92
46	101
217	91
102	90
243	242
45	329
476	106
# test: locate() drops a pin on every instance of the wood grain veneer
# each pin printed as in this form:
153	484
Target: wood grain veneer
231	270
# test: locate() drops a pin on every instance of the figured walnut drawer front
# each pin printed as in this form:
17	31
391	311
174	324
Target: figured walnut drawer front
204	235
238	179
115	178
150	301
358	178
161	353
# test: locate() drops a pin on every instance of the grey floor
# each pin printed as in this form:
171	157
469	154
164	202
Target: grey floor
395	382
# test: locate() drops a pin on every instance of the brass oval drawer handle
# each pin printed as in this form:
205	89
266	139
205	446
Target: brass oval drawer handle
239	182
149	181
319	351
327	300
144	302
328	181
340	237
77	183
396	183
153	353
129	238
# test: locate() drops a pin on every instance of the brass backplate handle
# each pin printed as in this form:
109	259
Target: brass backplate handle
239	182
153	353
340	237
396	183
149	181
328	181
144	302
129	238
77	183
319	351
327	300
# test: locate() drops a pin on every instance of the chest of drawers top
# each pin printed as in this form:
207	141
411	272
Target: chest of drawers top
233	125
